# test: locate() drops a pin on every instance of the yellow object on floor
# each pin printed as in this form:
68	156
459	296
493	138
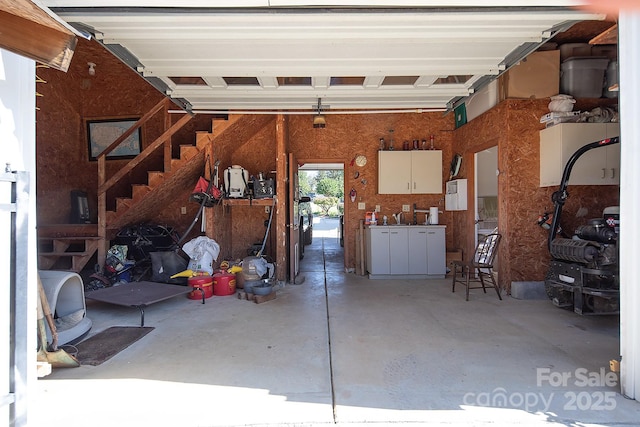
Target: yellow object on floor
184	273
235	269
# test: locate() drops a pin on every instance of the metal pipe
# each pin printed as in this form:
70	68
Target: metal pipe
310	112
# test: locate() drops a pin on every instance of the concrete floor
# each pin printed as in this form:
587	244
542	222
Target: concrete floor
343	349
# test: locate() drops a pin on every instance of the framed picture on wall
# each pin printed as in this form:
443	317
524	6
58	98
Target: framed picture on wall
102	133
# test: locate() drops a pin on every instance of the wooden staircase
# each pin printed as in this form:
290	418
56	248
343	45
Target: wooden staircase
74	245
66	246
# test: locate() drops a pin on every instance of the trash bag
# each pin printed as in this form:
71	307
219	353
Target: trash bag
202	251
166	264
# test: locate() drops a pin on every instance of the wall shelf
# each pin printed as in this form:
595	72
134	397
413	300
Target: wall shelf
248	202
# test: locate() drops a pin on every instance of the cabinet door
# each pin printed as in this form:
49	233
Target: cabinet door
426	172
378	248
436	251
398	250
418	250
612	169
557	145
394	172
591	167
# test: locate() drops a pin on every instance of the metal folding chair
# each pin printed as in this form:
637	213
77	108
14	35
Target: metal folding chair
480	268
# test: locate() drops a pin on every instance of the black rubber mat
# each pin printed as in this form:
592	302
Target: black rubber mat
106	344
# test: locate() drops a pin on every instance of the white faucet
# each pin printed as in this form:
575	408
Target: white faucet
398	217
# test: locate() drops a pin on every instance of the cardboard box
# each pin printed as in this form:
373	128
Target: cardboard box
536	76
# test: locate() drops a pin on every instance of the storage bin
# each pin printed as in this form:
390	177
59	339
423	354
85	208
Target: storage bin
611	79
570	50
606	51
583	77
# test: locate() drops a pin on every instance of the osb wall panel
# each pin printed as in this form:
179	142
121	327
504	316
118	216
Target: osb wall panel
347	136
257	153
250	143
68	99
514	127
248	228
230	148
519	160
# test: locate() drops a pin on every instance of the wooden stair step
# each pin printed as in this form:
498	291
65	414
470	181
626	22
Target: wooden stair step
218	126
203	139
60	230
155	178
138	191
176	164
70	238
188	151
59	254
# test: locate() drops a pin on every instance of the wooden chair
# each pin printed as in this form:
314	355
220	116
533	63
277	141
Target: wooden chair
480	267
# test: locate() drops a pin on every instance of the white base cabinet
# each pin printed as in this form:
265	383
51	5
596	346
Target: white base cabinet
412	252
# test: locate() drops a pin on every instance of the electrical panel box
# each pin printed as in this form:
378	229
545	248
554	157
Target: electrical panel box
455	198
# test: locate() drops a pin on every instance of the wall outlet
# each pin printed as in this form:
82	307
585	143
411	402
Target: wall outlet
406	208
361	206
267	209
377	208
183	210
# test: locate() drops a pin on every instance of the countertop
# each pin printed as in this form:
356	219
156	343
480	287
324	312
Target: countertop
407	225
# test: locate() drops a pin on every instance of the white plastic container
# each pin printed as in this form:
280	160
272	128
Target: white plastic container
235	182
65	294
583	77
570	50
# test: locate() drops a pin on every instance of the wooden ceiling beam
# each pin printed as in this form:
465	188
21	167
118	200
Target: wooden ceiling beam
609	36
29	31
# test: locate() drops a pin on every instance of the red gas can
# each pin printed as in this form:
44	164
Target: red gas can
202	282
224	283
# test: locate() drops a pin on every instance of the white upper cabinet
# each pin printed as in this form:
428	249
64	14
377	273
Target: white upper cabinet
600	166
410	172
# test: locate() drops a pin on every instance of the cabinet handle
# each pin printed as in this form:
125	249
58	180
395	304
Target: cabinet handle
613	173
414	185
408	186
422	232
604	173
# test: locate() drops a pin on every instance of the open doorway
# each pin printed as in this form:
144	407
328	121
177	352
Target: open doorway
322	217
486	191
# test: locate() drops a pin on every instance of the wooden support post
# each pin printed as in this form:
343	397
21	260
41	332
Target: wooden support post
280	220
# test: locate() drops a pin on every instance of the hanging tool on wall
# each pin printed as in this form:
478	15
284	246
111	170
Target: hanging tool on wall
266	234
206	193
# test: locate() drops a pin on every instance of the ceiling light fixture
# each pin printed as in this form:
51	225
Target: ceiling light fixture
319	120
